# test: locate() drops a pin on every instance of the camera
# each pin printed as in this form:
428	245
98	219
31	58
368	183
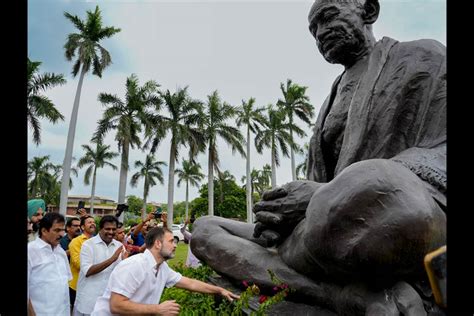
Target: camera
121	208
158	212
80	205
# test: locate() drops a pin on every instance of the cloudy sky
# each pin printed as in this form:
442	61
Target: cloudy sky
241	48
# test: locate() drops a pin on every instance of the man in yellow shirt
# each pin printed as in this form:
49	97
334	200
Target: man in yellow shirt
88	230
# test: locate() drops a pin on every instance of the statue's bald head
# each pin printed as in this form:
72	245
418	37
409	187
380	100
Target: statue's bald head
358	4
343	28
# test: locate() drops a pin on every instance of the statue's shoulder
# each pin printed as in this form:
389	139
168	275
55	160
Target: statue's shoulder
421	46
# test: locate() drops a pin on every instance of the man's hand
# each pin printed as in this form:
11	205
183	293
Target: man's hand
117	253
282	209
168	308
229	295
149	217
82	212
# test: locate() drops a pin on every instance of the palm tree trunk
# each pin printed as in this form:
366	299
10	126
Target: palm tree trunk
94	177
171	184
274	178
292	153
70	146
145	193
123	175
249	189
210	183
187	200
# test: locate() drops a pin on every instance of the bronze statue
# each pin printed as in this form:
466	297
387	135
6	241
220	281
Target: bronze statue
353	236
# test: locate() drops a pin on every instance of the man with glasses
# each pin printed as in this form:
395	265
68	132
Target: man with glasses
73	229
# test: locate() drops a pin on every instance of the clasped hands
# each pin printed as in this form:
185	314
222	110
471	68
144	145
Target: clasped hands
281	209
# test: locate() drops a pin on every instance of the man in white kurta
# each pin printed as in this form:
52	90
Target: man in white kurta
48	269
136	284
99	256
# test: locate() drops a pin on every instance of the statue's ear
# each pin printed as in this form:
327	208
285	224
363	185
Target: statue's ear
371	11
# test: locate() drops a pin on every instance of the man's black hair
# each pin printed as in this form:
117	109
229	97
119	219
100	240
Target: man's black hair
69	221
108	219
48	220
156	233
83	219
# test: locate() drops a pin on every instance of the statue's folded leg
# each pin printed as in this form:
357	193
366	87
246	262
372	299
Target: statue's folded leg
229	248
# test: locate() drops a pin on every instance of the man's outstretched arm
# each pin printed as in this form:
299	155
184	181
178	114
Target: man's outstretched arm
120	304
202	287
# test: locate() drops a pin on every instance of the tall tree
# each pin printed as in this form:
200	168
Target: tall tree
303	166
90	53
95	158
127	117
181	123
38	105
150	171
295	103
191	175
276	136
253	119
214	123
40	175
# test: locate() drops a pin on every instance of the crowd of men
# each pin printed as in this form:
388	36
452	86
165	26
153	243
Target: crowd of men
76	269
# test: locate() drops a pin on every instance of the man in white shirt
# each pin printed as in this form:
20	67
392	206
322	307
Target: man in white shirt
99	256
48	269
136	284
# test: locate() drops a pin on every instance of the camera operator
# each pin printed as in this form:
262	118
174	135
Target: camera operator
141	230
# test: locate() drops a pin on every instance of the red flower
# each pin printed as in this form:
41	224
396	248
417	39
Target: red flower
245	283
262	299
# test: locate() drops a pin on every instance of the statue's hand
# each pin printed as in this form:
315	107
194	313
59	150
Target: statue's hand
281	209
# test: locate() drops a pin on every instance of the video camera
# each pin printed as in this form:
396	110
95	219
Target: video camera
158	212
121	208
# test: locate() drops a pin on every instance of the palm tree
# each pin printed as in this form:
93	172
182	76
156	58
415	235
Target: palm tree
191	174
223	178
263	179
38	105
254	174
181	124
295	102
40	172
149	171
214	124
302	167
127	117
276	134
95	159
58	174
90	53
252	118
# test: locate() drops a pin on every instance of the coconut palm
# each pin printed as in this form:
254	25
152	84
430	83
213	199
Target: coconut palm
276	136
38	105
254	174
58	174
214	124
253	119
149	171
181	124
302	167
263	179
191	175
295	102
89	53
95	158
40	171
127	117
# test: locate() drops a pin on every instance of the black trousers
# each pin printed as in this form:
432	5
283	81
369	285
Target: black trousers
72	297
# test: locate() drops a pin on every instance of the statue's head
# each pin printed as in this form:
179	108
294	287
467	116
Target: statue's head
343	28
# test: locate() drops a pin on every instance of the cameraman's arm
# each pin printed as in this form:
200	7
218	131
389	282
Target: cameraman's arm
139	227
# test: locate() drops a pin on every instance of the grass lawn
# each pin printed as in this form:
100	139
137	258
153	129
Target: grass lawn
180	254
